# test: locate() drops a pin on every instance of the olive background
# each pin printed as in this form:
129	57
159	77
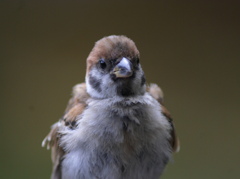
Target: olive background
190	48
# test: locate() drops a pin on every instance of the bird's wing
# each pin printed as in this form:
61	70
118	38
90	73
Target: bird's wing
156	92
75	107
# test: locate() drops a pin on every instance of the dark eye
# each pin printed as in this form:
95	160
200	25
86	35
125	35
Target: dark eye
102	64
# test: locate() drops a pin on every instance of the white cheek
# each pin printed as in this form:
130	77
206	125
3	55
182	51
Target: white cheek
90	89
94	93
107	85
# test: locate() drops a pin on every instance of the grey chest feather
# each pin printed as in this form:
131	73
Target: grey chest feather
121	142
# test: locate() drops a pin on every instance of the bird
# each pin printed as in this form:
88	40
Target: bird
115	125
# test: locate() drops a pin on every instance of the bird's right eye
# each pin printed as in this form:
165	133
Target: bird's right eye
102	64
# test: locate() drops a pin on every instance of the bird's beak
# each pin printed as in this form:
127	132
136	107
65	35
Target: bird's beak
123	69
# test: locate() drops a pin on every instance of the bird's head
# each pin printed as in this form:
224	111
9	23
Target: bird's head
113	69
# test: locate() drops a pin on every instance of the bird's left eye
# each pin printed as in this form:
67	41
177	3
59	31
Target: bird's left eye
102	64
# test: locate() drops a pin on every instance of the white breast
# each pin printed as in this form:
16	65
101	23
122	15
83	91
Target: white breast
117	139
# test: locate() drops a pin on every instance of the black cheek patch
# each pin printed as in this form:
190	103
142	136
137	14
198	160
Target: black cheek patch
143	80
95	83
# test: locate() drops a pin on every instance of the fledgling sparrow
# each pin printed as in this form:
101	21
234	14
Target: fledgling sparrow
115	126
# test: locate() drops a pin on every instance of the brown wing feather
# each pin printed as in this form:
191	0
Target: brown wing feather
156	92
75	107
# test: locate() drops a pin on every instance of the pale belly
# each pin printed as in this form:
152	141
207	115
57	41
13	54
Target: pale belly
118	147
86	165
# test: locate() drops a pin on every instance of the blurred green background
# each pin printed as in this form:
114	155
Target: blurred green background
190	48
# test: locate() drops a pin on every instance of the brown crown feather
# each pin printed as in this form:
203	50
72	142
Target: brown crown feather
112	47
